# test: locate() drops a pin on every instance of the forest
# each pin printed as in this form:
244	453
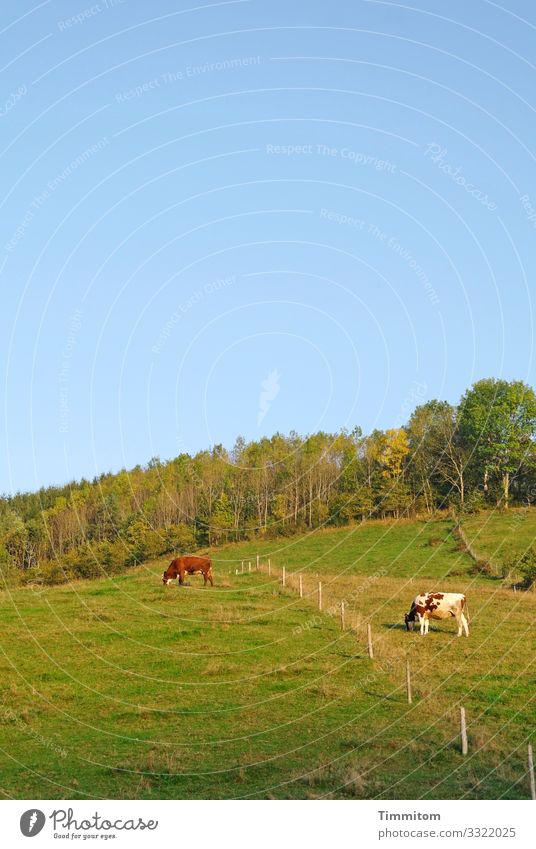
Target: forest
462	458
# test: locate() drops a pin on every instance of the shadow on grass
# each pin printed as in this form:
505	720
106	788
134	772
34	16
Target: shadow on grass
381	697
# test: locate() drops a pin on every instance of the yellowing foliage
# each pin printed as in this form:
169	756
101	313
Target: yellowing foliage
394	452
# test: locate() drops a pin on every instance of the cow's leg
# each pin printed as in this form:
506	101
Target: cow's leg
465	625
459	620
181	577
204	579
427	625
422	624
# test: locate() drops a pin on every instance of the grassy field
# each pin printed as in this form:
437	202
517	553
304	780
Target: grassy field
501	535
125	688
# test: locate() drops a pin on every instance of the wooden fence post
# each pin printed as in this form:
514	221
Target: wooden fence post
320	595
301	585
249	566
342	615
463	731
257	561
284	577
408	681
269	567
369	641
531	773
242	565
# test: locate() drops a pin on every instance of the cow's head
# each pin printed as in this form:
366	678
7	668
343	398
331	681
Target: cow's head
410	621
166	579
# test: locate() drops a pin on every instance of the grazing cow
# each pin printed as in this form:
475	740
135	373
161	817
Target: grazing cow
188	565
428	606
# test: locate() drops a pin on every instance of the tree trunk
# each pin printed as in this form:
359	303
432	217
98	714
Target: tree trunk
506	488
425	489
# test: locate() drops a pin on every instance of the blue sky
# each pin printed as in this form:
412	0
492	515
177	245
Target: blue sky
236	218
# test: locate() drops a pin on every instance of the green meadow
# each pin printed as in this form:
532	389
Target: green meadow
124	688
501	535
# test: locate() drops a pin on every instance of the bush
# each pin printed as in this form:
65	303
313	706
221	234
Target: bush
527	567
54	573
319	513
46	574
112	556
179	538
9	572
82	562
482	567
153	545
142	543
474	503
506	569
31	577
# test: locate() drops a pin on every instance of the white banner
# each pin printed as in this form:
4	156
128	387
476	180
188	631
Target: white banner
265	825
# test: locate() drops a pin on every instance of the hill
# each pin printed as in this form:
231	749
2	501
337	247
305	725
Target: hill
473	456
501	536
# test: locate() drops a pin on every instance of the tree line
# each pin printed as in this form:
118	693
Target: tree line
479	453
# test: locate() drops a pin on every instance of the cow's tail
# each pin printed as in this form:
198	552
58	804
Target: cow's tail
466	610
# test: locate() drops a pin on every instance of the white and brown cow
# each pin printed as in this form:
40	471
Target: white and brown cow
428	606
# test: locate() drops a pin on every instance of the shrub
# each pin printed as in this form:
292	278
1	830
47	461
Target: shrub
506	569
482	567
46	574
527	567
82	562
54	573
179	538
32	577
276	531
153	545
112	556
474	503
142	543
9	572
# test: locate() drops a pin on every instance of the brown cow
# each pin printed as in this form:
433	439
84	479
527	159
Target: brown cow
188	564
